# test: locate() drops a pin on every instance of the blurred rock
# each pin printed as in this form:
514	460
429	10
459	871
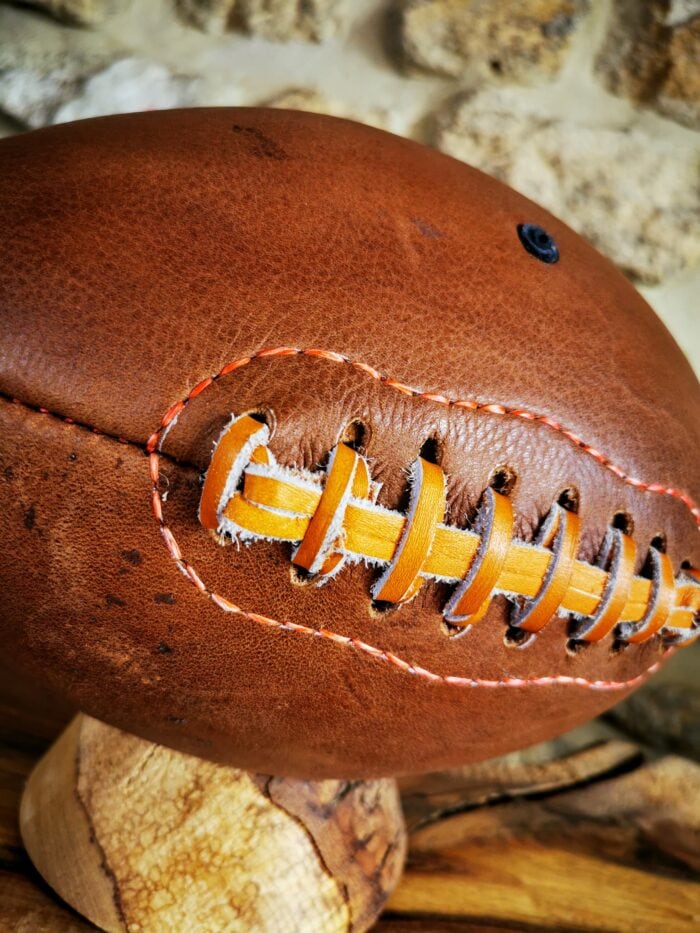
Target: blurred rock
127	86
663	715
652	56
631	60
51	73
470	37
85	12
681	10
634	196
43	64
283	20
679	95
277	20
211	16
315	102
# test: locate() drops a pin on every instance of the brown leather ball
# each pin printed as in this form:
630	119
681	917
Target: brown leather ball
162	272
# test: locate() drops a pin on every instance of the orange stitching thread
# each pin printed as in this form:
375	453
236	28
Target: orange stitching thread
445	401
386	656
378	654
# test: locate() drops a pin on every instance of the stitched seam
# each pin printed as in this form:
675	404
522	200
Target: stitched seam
171	416
188	571
91	429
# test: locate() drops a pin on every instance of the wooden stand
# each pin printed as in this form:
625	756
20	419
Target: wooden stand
136	836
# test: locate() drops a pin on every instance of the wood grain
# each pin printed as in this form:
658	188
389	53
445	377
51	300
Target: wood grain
138	837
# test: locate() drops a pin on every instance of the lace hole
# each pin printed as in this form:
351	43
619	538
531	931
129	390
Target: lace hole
623	522
517	637
503	480
569	499
356	435
431	449
379	607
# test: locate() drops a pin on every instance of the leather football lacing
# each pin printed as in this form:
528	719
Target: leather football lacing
332	517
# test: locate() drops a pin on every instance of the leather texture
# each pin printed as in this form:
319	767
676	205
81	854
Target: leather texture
140	254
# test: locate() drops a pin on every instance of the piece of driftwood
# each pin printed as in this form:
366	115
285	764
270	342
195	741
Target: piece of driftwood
619	850
136	836
427	799
590	832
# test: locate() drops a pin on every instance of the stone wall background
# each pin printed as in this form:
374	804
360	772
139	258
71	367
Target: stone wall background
591	107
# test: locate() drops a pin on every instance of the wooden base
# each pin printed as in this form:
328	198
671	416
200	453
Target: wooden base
136	836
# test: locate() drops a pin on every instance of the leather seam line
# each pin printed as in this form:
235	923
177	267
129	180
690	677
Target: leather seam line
375	653
66	419
91	429
153	449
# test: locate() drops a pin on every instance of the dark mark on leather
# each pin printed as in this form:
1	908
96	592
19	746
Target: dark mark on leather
261	145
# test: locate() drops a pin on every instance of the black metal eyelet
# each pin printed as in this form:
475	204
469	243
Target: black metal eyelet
538	243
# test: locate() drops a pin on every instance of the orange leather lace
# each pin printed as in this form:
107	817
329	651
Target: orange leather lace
332	517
